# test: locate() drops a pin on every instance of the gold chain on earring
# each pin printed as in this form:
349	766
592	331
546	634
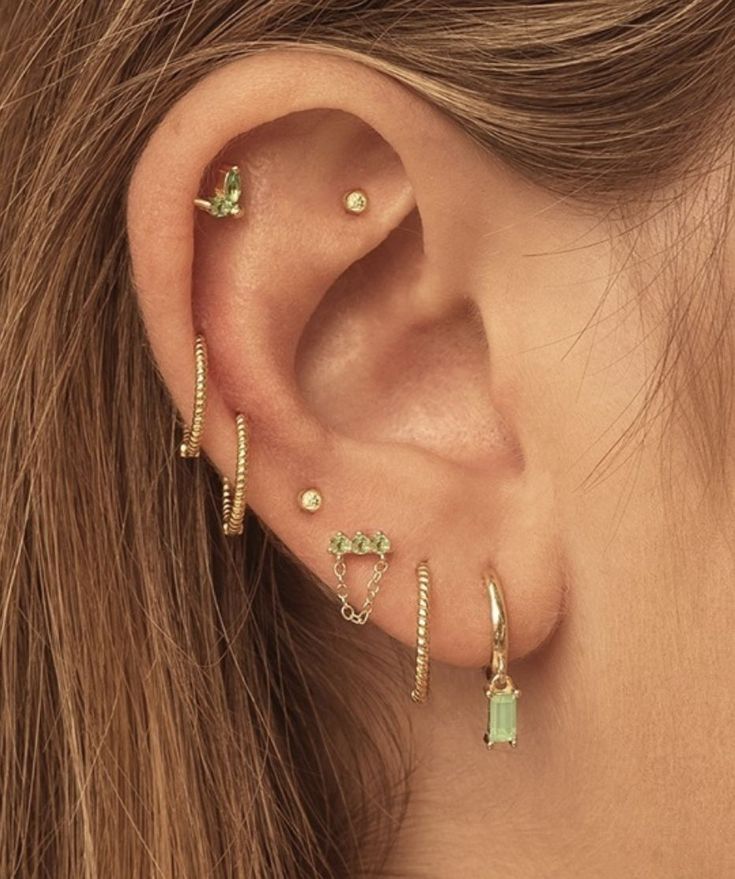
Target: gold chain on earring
192	438
340	545
420	692
234	499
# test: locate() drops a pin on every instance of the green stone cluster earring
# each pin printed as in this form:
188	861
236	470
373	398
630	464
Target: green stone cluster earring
340	545
226	199
499	689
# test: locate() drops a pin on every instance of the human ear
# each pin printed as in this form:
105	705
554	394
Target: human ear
356	345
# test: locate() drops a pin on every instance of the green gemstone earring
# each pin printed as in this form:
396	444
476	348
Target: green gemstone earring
500	691
226	199
341	545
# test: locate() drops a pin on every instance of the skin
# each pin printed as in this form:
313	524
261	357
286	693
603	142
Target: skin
451	367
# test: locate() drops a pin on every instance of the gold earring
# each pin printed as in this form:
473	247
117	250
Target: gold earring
310	500
234	497
420	692
226	199
191	440
339	546
355	201
500	691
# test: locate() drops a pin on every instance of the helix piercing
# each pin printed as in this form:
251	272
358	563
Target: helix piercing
192	437
226	199
355	201
234	496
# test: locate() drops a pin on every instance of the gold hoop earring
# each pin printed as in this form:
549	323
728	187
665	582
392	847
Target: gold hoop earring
234	498
500	691
191	440
420	692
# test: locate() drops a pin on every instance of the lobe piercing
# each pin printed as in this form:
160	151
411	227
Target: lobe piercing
310	500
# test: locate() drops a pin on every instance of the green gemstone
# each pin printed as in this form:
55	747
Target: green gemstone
501	722
232	186
340	543
361	543
381	543
219	206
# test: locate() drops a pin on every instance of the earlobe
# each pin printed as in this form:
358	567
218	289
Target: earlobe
345	330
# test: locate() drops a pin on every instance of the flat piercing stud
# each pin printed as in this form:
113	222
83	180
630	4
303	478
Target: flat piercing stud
355	201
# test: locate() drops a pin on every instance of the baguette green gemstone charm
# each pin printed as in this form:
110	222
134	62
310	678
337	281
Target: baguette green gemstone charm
501	718
501	693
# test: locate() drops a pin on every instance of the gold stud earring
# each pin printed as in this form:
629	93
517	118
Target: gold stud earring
310	500
234	497
500	691
341	545
420	692
226	199
192	437
355	201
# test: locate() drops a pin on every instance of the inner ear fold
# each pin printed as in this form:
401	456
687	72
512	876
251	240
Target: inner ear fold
377	363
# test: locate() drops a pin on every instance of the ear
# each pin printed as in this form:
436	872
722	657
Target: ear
356	345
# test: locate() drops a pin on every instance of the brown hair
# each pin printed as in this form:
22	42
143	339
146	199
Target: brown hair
174	704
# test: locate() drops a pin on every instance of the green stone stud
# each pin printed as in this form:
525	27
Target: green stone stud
340	544
226	199
381	543
361	543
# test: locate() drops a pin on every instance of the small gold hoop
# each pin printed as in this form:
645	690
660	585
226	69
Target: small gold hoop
191	441
234	500
420	692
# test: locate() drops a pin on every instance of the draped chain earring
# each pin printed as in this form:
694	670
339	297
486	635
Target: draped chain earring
192	438
500	691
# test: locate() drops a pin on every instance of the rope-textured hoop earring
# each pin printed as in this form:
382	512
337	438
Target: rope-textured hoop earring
192	438
420	692
234	499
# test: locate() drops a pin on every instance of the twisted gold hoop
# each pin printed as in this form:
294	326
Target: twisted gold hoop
234	499
420	692
192	438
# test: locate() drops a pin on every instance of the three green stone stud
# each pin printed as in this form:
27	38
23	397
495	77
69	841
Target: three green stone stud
499	689
226	199
340	545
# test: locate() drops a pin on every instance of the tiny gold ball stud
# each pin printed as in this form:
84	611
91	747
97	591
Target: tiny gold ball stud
310	500
355	201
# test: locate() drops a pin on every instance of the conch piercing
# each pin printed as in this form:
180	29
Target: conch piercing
341	545
226	199
420	692
192	438
500	691
355	201
234	496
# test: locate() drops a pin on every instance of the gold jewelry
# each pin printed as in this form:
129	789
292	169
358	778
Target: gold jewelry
420	692
340	545
310	500
191	440
226	199
500	691
234	499
355	201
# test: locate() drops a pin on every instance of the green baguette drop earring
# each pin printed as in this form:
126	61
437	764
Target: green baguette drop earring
500	690
226	199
